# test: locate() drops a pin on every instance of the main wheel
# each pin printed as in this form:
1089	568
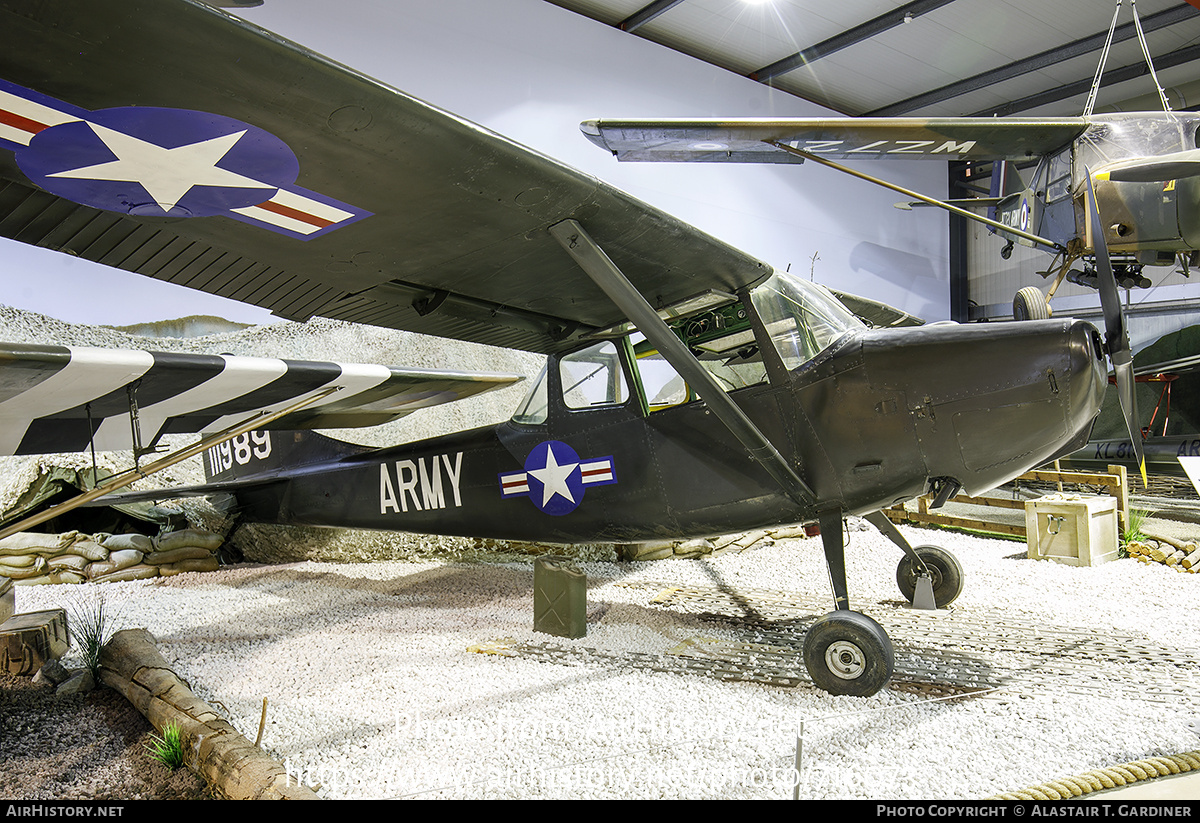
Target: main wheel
944	569
848	653
1030	304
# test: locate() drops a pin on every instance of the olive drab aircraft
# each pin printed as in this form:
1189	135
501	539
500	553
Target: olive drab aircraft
689	389
1143	166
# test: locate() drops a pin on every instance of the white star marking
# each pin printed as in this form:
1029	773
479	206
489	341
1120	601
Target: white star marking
166	174
554	478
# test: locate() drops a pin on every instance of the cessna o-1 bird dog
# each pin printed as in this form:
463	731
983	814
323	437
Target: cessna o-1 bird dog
689	389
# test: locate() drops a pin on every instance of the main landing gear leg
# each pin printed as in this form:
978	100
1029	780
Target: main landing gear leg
845	652
929	577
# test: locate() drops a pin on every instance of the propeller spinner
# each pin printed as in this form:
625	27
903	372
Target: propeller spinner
1116	335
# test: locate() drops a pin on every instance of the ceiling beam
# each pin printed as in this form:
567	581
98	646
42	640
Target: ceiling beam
1178	57
889	20
646	14
1046	58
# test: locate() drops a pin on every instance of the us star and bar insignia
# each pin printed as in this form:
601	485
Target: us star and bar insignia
555	477
164	162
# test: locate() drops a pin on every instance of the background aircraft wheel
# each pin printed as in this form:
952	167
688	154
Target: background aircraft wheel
1030	304
848	653
944	568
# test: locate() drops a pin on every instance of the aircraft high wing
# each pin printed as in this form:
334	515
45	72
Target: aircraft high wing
689	389
342	197
1145	169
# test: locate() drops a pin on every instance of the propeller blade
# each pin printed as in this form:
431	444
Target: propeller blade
1116	335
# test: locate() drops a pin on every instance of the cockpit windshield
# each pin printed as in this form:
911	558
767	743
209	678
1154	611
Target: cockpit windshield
802	318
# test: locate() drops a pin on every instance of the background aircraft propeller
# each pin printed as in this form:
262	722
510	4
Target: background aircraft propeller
1116	335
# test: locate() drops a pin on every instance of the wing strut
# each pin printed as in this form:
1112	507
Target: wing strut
597	265
987	221
124	478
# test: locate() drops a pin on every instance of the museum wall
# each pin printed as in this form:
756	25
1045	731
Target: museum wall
532	71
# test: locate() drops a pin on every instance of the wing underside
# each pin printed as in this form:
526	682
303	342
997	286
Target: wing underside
333	194
63	399
842	138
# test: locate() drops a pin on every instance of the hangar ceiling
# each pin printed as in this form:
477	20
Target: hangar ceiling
931	57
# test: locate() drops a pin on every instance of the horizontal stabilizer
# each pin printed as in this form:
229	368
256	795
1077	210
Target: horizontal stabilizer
65	398
962	202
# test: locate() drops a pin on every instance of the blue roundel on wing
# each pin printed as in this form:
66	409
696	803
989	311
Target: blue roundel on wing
163	162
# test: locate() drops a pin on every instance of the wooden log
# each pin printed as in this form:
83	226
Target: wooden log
232	765
1170	541
1192	560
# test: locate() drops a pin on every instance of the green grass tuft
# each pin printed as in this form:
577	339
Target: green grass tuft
1133	526
91	628
167	748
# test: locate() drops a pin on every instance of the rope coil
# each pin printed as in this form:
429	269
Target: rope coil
1065	788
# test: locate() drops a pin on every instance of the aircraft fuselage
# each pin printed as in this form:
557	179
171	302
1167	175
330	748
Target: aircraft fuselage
868	422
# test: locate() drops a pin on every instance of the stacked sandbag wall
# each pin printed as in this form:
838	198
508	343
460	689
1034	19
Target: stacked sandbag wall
31	558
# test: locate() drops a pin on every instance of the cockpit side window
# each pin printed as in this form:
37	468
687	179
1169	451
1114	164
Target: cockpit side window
1058	182
593	377
721	339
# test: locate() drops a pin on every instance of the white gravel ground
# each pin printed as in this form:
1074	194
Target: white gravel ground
373	693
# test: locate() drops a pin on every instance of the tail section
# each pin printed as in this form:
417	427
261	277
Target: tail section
265	453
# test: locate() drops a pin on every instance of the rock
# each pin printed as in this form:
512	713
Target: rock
81	682
52	673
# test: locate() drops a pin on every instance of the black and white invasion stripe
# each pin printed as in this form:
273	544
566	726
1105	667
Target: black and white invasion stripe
59	398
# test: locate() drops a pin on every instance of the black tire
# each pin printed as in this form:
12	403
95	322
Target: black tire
944	568
848	653
1030	304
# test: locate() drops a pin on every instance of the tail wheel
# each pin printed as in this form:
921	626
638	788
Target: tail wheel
944	569
848	653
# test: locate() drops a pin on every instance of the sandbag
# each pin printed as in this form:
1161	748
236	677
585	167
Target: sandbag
188	537
87	548
66	576
71	562
138	572
208	564
21	561
116	561
37	568
36	543
117	542
174	556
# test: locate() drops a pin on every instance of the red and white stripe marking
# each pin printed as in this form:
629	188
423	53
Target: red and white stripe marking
21	119
514	484
596	471
295	212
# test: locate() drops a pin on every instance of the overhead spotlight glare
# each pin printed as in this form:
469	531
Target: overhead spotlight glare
709	146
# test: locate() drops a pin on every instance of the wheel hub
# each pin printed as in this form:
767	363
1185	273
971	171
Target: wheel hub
845	660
